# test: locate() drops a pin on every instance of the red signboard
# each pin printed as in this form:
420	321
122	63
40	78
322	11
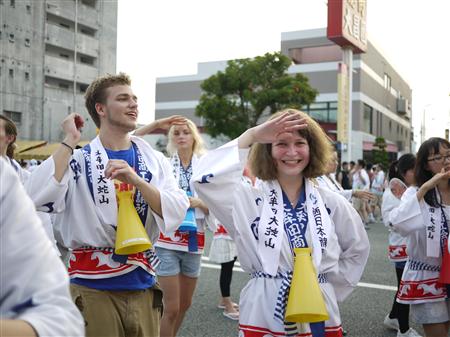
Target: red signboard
347	23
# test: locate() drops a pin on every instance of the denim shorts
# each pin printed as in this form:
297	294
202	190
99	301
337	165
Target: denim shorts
431	312
174	262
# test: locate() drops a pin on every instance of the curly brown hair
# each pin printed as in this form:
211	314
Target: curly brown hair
10	130
96	92
262	164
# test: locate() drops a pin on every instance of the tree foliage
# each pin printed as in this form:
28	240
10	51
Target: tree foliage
235	99
379	153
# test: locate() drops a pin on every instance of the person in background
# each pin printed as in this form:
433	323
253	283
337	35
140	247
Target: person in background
223	251
8	135
423	215
352	169
180	251
343	177
34	291
328	181
361	181
377	188
401	176
283	211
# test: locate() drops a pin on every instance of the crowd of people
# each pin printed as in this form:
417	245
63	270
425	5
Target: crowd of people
268	195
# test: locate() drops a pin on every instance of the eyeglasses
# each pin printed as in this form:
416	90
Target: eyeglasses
440	159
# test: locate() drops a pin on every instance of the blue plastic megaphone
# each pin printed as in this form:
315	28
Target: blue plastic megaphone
189	224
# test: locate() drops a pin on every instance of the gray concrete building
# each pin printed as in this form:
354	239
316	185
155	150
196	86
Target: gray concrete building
381	98
50	51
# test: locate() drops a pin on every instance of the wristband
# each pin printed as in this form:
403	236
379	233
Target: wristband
67	145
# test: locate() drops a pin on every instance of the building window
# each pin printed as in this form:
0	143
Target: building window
64	55
28	7
65	25
63	86
27	42
27	75
390	126
11	73
367	119
90	3
87	31
87	60
83	88
387	82
12	3
15	116
323	111
11	37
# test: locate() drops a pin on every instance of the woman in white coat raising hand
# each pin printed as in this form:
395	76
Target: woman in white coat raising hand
283	211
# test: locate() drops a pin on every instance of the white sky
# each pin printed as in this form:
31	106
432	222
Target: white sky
158	38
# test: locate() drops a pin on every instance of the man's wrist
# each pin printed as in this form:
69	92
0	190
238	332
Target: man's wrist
70	140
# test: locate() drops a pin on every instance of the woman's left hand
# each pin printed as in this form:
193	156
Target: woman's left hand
198	203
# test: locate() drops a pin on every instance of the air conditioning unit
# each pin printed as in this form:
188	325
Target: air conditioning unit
402	106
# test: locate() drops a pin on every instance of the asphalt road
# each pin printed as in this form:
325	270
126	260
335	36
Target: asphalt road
362	313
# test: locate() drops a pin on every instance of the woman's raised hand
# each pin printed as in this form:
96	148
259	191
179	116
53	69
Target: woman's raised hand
268	131
166	123
163	123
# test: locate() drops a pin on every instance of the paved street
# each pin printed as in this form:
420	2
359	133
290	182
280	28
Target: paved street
362	313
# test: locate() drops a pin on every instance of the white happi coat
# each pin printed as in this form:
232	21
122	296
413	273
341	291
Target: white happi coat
24	175
332	184
239	207
34	283
83	222
419	282
175	240
397	242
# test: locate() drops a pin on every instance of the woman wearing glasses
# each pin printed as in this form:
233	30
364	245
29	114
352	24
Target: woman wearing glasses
423	216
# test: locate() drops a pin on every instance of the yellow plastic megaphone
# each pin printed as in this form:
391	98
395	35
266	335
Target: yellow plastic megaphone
131	236
305	303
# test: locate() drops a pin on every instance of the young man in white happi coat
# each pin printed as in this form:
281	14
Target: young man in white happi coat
287	150
117	294
34	291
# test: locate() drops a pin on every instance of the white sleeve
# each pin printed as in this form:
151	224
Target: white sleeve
407	217
355	247
48	194
218	176
347	194
35	284
366	180
388	203
174	202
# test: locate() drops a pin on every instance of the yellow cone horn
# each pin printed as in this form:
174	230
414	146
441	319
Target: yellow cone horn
131	236
305	303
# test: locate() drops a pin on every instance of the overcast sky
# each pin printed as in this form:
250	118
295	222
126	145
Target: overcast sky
159	38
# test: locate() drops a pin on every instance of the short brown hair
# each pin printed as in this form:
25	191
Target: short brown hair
96	92
263	166
10	130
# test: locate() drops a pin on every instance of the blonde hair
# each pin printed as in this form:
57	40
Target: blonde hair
198	148
263	166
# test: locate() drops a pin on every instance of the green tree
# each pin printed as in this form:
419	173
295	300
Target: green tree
235	99
379	153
